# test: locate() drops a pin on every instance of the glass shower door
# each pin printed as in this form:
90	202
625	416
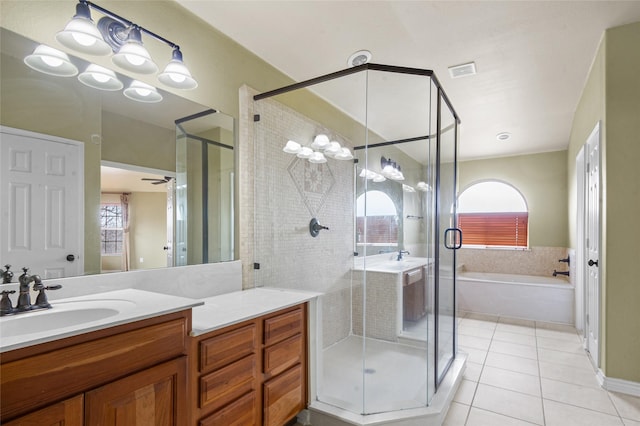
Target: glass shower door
448	240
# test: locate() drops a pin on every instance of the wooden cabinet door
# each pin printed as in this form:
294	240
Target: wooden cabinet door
65	413
153	397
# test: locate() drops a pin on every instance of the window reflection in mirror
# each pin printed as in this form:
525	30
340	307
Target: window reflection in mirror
381	219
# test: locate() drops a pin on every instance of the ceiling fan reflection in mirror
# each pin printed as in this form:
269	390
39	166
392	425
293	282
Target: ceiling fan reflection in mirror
158	181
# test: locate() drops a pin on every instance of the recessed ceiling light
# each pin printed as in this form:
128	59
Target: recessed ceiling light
462	70
359	58
503	136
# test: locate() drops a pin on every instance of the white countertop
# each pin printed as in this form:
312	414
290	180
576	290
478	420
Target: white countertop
388	264
98	311
232	308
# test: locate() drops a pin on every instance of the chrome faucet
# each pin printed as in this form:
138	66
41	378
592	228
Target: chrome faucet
400	253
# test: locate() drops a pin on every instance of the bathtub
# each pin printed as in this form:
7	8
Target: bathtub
517	296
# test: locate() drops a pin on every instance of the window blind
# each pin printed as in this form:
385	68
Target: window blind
494	229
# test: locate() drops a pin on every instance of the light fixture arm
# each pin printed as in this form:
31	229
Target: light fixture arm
128	23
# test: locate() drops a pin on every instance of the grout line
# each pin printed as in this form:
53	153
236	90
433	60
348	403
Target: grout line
544	416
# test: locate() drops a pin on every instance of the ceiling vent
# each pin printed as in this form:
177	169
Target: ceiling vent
462	70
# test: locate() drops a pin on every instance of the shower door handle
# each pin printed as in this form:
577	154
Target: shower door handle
457	242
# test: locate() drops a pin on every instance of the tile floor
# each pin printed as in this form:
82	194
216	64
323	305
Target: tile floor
523	373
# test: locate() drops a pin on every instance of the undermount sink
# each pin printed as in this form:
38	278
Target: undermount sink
61	316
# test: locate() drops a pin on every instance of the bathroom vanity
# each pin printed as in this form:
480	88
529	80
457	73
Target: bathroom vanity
245	363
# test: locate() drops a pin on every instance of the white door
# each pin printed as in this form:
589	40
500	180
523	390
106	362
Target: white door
41	203
592	244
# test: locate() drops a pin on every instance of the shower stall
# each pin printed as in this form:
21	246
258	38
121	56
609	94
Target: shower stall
204	189
354	192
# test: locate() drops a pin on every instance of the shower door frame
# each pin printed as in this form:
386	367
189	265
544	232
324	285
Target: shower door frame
441	96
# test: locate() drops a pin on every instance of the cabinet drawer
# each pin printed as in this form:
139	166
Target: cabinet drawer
283	355
283	397
241	412
221	350
282	326
223	386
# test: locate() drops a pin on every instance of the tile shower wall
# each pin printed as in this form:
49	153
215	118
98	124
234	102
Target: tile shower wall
535	261
279	195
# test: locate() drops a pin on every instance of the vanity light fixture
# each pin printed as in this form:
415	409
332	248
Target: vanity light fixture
133	56
344	154
371	175
51	61
100	78
292	147
82	35
176	74
423	186
142	92
333	149
390	169
321	141
317	158
305	152
124	38
321	148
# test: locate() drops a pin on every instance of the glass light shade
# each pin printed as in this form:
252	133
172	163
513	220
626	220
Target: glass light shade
100	78
51	61
133	56
344	154
333	149
292	147
142	92
176	74
81	34
305	152
321	141
317	158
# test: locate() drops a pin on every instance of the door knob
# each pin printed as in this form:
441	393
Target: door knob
593	262
70	258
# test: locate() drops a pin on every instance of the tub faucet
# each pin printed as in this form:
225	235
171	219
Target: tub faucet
400	253
556	273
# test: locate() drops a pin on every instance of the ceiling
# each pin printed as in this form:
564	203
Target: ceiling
118	180
532	57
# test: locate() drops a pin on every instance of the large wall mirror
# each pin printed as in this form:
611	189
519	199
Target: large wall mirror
158	178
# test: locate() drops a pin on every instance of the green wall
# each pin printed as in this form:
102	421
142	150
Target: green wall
612	95
541	178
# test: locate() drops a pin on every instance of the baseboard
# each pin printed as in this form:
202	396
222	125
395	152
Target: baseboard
618	385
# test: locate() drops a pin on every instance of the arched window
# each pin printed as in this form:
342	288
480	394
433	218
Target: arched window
493	214
382	218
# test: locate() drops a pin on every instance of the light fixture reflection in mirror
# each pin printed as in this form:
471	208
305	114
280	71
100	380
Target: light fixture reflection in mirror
100	78
51	61
142	92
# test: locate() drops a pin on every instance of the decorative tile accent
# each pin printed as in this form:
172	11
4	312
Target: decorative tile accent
313	182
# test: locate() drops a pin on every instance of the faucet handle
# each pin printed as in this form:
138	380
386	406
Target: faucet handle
5	303
41	300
